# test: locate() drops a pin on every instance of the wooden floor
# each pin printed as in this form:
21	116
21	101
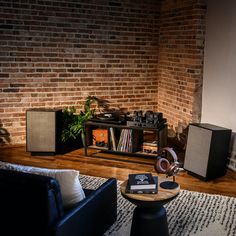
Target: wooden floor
108	165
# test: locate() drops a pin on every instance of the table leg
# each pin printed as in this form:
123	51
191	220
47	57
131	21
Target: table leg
149	222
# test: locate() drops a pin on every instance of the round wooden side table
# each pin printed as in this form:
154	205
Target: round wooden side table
149	217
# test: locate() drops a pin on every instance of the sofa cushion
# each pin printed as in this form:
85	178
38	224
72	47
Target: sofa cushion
68	179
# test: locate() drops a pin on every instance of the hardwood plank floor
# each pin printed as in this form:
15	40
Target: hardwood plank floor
118	166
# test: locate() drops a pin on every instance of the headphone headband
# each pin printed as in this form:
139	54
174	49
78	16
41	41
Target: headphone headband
171	152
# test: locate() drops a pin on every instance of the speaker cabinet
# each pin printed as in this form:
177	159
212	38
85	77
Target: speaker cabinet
43	131
207	151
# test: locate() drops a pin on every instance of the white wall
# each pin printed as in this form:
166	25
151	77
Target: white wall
219	76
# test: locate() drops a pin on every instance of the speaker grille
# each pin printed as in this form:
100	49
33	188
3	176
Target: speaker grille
41	131
198	149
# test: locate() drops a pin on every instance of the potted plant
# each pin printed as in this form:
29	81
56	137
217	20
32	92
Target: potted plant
73	124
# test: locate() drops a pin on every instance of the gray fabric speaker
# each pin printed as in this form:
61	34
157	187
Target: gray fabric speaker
43	130
207	151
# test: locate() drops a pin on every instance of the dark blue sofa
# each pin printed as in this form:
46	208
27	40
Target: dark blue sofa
32	205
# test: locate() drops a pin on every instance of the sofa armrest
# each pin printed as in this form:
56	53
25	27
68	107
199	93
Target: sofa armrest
93	215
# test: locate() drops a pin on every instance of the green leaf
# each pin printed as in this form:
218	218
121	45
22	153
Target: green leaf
73	123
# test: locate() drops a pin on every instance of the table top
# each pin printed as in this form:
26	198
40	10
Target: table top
161	195
124	126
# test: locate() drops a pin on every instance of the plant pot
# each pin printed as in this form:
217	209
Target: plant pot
71	145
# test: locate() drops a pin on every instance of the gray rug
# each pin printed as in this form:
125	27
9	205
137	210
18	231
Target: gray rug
191	213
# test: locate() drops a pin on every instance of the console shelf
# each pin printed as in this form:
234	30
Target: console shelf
123	139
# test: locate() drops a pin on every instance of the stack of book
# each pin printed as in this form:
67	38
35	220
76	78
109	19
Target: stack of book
150	147
143	183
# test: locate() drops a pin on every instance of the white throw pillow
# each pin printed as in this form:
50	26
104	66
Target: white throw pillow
71	189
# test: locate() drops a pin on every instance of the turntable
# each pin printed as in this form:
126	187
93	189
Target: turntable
111	118
106	116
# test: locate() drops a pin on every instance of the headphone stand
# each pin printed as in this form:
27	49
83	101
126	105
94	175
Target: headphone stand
169	184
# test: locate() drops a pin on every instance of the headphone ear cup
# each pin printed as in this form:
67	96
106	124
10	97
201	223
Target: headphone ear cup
173	169
162	165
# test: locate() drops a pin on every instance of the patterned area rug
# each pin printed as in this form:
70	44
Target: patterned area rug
191	213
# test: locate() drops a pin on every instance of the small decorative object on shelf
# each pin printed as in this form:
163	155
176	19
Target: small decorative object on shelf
142	183
163	165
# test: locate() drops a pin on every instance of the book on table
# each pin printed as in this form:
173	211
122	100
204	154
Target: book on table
142	183
143	191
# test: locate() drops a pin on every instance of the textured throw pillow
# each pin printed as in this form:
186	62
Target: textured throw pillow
2	165
68	179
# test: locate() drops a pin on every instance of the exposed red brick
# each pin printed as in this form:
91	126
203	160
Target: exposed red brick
181	44
138	55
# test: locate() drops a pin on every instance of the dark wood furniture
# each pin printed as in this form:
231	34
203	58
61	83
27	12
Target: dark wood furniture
160	136
149	216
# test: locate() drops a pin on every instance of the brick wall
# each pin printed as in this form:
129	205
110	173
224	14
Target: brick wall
181	48
138	55
54	53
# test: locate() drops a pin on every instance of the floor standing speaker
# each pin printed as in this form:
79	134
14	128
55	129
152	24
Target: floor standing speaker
43	131
207	151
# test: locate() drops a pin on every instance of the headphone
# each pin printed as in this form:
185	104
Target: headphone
162	164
